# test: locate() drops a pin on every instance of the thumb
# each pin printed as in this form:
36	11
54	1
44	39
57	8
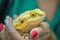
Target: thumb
45	26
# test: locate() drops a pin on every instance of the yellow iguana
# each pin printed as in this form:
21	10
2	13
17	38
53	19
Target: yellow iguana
28	20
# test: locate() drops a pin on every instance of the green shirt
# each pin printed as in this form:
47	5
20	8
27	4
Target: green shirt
1	4
20	6
55	23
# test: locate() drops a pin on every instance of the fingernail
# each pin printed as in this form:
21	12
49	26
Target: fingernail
7	17
34	34
1	27
7	20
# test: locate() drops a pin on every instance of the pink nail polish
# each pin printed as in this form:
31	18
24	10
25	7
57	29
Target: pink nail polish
34	34
1	27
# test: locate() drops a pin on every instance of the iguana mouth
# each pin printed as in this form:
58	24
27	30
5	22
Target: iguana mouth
28	28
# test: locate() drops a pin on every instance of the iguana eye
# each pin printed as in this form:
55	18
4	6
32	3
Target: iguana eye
21	21
33	13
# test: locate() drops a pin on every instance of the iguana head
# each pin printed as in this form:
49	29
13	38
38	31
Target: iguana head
28	20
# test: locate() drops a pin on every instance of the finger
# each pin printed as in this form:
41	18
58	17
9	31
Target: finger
42	31
46	30
1	27
11	29
45	26
2	33
39	33
8	23
36	32
8	20
15	16
52	36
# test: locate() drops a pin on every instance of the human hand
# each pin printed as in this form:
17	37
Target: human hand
42	32
12	31
42	29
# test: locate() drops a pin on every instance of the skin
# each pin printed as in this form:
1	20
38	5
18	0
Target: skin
49	7
14	35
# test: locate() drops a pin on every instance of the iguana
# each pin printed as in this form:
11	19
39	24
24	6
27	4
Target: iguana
28	20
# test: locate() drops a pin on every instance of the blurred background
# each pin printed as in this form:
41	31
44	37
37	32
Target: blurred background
50	7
